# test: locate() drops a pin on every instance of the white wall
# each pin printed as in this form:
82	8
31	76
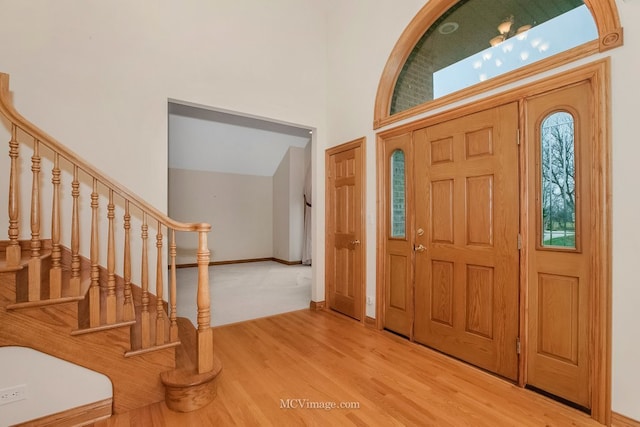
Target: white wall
281	184
626	211
296	202
52	385
288	206
238	207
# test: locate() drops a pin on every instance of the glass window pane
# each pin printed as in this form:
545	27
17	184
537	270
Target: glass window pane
558	184
476	40
398	195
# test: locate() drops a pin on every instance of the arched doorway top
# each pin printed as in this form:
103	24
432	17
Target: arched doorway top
605	15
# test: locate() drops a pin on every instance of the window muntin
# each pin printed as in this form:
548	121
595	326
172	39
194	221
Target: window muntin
398	195
455	52
558	181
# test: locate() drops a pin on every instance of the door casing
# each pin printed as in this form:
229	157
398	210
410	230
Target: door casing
597	73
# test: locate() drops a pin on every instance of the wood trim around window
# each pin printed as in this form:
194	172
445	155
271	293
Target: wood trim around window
605	15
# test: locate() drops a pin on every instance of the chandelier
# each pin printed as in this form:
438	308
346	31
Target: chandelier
506	30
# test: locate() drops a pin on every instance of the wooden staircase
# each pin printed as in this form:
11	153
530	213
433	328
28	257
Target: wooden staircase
82	309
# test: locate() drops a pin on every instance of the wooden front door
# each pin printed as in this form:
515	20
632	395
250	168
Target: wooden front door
467	257
559	137
344	263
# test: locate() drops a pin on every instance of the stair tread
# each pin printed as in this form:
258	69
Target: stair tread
42	303
145	350
104	327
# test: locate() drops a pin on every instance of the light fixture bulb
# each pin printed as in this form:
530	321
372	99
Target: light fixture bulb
496	40
523	28
505	26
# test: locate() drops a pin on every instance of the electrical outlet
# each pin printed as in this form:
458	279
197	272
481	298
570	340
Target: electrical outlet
13	394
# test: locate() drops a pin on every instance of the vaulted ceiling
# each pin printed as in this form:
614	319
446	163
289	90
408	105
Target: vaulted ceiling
215	141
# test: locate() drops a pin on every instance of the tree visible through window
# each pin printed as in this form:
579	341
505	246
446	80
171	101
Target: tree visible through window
558	180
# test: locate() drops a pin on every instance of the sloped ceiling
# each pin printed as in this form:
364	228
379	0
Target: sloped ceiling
215	141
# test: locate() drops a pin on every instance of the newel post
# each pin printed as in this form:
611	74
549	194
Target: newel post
205	333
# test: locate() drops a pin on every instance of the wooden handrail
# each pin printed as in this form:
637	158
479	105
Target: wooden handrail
100	300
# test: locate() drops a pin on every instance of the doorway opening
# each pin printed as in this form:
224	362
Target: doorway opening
245	176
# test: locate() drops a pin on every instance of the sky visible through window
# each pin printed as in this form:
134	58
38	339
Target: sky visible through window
557	35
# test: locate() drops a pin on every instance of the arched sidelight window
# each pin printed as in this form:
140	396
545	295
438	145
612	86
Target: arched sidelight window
454	49
558	187
398	195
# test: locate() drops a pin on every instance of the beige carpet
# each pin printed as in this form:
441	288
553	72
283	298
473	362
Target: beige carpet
246	291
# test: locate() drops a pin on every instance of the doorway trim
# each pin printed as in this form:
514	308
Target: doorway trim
598	74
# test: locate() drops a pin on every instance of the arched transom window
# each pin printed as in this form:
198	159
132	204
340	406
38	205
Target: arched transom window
457	48
476	40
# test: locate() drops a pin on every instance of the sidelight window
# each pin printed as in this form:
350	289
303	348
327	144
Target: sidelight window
398	194
558	181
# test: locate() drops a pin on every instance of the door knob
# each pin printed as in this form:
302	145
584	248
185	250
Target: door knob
355	242
419	248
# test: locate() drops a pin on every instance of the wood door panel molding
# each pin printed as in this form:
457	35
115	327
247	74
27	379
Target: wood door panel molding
480	302
479	210
442	292
557	308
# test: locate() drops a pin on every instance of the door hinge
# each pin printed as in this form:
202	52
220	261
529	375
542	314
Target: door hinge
519	241
518	136
518	348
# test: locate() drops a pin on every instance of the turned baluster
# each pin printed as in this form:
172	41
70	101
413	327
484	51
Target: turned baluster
55	273
145	330
74	282
36	244
173	328
35	263
205	333
129	311
111	262
94	287
13	248
160	318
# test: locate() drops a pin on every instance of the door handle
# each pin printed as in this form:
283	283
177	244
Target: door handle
355	242
419	248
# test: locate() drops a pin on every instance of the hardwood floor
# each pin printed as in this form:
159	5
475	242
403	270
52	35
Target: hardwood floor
306	359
